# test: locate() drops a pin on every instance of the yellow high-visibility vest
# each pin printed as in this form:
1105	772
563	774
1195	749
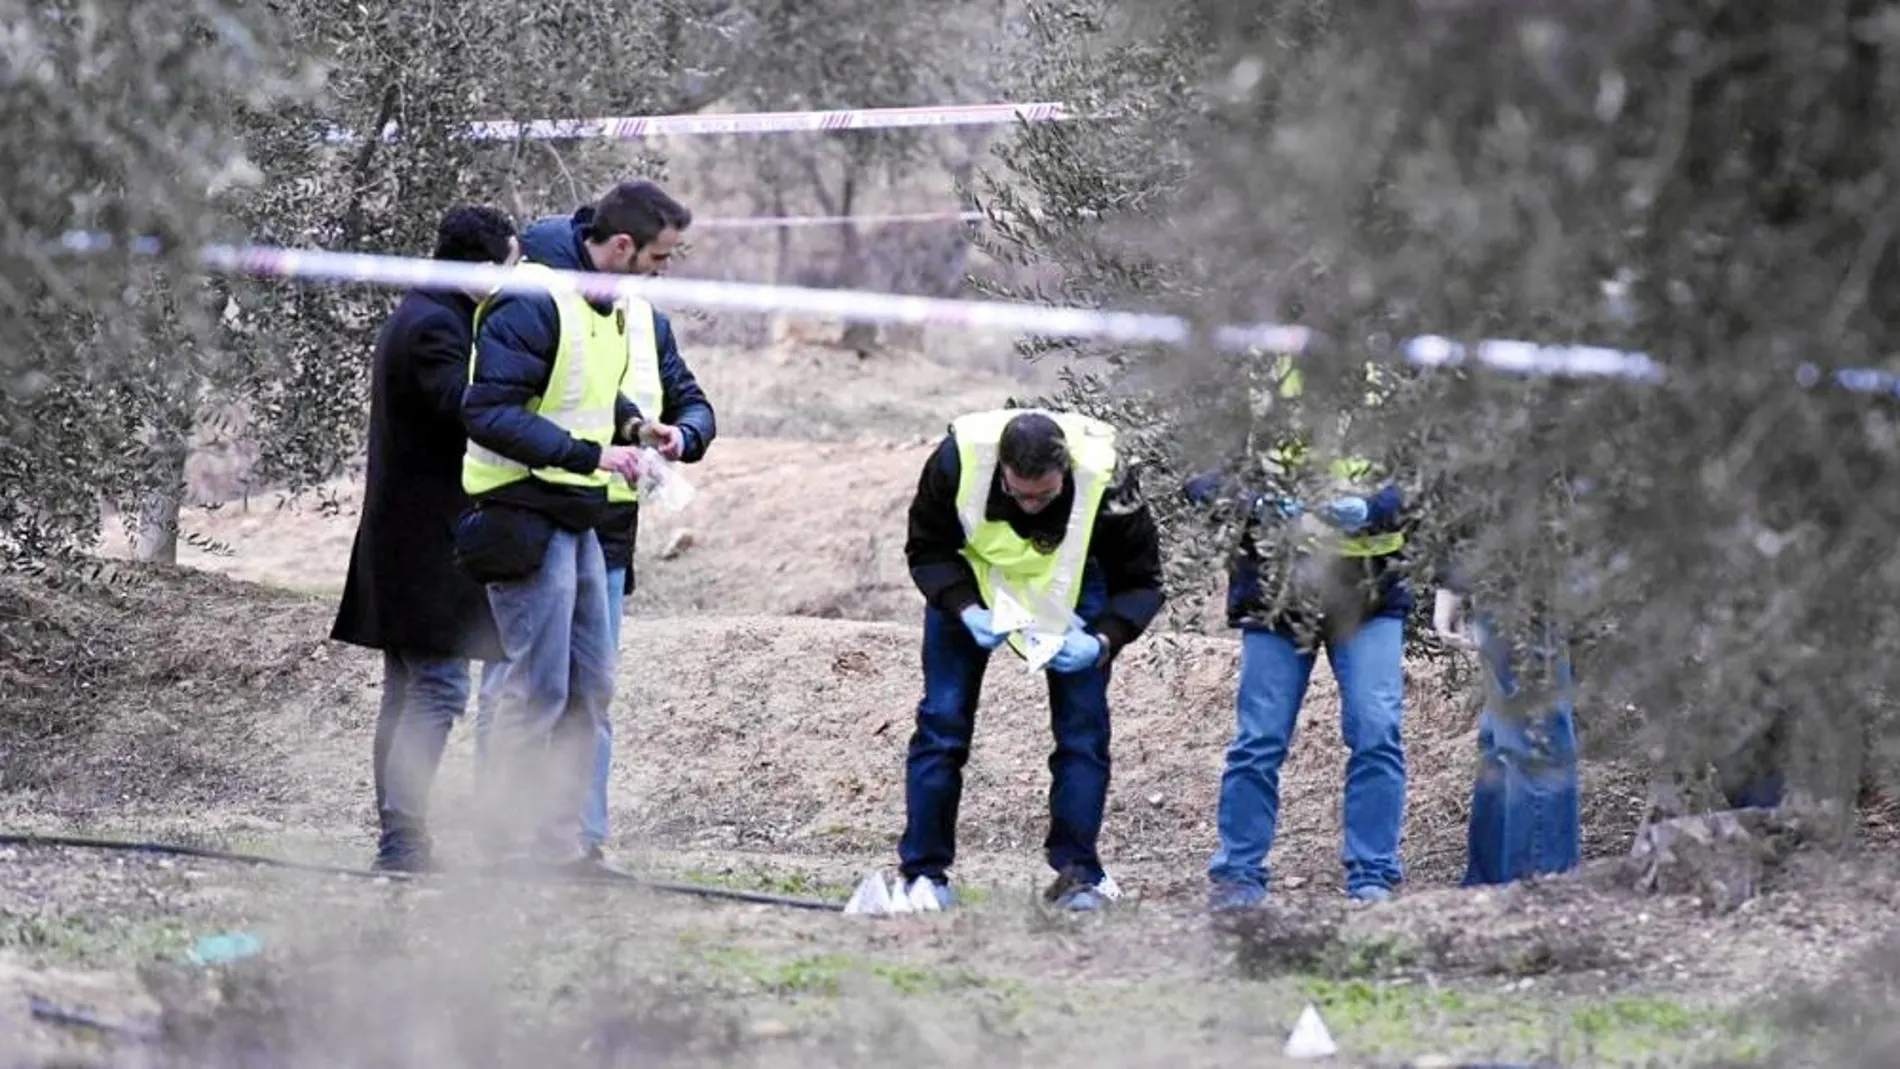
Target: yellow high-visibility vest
1046	582
1349	475
589	362
641	384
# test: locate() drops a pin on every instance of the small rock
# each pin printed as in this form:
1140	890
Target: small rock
681	541
771	1029
1156	800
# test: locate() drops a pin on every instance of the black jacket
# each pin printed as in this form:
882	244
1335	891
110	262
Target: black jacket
403	590
1124	542
514	353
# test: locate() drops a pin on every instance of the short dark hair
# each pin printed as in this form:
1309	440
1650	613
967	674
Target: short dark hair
473	233
1033	445
639	209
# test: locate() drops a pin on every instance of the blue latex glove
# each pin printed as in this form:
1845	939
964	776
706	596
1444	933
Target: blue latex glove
1348	513
1079	650
1287	507
977	619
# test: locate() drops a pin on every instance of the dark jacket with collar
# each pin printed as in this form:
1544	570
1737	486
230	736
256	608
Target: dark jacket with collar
1124	543
684	404
403	591
514	354
1381	583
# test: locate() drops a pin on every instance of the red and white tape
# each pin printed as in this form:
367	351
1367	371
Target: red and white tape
774	222
768	222
864	306
631	128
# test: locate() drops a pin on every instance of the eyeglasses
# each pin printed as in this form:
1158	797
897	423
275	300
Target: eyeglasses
1027	497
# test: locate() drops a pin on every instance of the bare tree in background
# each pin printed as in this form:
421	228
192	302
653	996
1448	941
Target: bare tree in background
859	54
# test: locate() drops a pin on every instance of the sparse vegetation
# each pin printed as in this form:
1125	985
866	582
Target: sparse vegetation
1371	170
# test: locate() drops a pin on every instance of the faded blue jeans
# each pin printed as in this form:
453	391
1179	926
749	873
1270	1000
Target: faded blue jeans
953	667
423	695
1525	807
1274	674
594	817
543	705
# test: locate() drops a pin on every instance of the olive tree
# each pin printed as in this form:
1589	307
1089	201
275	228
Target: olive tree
1709	187
123	120
202	122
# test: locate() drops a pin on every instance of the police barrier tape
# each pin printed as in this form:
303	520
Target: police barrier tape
93	241
749	222
630	128
1432	351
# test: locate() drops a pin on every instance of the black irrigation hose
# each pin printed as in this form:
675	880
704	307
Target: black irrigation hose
597	876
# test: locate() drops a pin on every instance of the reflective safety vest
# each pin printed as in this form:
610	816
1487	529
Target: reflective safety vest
1349	475
1045	582
641	383
589	362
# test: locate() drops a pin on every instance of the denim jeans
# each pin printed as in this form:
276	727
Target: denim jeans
423	694
1525	806
543	705
1274	674
953	667
594	817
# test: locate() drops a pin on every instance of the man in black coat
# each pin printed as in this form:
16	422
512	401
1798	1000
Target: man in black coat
404	594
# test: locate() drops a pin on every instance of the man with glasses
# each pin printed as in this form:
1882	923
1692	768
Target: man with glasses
1025	530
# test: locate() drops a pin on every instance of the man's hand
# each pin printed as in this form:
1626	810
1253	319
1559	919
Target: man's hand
1348	513
1079	650
624	461
1448	623
977	619
664	437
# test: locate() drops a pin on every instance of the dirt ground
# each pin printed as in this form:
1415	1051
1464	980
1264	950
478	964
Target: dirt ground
766	684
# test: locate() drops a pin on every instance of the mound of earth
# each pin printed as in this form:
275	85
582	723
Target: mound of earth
193	698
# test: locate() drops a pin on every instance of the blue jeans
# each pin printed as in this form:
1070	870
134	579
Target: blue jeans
423	694
544	703
1274	674
1525	807
594	817
946	722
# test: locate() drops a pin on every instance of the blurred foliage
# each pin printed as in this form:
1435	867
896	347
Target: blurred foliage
1706	183
206	120
1474	168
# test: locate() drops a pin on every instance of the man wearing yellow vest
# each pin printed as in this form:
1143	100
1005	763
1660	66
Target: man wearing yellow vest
1025	531
549	426
679	422
1354	602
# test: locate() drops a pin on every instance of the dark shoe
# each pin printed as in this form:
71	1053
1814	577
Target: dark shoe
591	862
1225	896
403	847
404	859
1075	890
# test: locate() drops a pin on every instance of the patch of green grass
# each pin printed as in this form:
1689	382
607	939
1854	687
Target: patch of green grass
1393	1018
93	940
824	974
1366	959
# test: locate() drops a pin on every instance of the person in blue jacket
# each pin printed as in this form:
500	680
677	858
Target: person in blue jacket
1349	543
678	419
